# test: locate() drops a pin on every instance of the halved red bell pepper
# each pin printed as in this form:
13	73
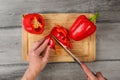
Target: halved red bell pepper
51	41
33	23
62	35
82	27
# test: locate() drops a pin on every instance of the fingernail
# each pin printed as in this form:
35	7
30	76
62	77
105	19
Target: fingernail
47	39
49	46
36	41
86	76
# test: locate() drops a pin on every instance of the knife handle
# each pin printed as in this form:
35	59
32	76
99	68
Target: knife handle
79	63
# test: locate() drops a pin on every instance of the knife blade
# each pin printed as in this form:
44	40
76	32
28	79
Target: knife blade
68	51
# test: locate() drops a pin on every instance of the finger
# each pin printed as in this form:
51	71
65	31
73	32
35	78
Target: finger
47	54
100	76
88	71
37	44
88	78
41	48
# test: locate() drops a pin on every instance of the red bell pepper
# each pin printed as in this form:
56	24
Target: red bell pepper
82	27
62	35
51	41
33	23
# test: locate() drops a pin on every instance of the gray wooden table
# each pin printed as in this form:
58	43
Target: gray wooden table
12	66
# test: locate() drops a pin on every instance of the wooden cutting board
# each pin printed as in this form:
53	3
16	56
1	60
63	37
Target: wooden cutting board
85	49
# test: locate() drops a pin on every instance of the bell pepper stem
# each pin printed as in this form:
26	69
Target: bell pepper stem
23	15
94	17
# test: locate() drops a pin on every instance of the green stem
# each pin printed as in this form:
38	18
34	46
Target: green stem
94	17
23	15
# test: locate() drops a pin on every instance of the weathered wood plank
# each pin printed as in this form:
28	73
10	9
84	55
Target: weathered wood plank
10	46
108	57
12	11
66	71
107	43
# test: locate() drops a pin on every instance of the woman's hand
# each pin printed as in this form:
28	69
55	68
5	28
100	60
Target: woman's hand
38	55
38	58
90	75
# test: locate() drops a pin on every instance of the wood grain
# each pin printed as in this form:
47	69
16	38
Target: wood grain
25	40
84	50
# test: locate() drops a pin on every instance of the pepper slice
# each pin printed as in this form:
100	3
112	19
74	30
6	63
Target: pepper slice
62	35
82	27
51	41
33	23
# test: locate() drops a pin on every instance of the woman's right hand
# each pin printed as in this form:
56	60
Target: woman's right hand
90	75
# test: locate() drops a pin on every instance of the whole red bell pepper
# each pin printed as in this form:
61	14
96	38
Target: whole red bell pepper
62	35
51	41
33	23
82	27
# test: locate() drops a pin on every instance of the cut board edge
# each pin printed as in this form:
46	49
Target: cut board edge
24	34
